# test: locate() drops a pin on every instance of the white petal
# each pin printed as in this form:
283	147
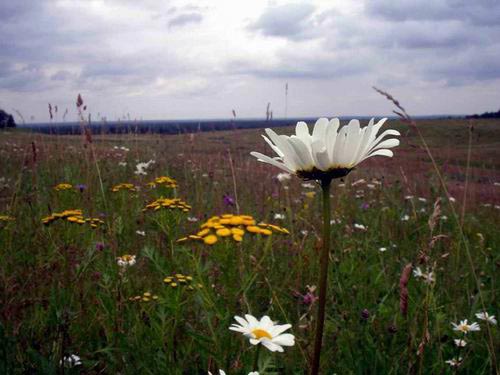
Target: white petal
319	131
384	152
273	146
272	346
251	320
302	153
331	137
286	339
302	131
278	329
266	159
240	320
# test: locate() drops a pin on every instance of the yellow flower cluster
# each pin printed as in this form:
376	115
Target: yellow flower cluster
180	280
145	297
72	216
171	203
63	186
6	218
163	181
234	226
123	186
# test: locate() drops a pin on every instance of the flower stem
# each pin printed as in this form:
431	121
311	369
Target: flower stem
256	359
320	319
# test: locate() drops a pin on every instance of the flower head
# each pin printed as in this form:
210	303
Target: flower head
126	260
264	332
465	328
454	362
329	152
460	343
71	360
486	317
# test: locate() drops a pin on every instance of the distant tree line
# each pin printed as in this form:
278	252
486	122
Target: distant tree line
6	120
486	115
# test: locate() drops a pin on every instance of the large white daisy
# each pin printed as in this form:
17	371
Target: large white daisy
264	332
329	152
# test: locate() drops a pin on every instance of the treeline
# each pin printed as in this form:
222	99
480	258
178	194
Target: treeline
6	120
486	115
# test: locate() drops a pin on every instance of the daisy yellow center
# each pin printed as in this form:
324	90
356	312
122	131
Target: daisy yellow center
260	333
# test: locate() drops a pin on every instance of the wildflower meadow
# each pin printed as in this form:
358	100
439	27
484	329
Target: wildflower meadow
332	247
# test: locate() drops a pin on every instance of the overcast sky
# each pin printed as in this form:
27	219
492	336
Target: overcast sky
155	59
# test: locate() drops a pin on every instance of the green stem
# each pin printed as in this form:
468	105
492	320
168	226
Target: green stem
320	320
256	359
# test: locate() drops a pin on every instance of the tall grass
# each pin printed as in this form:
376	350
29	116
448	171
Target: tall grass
63	293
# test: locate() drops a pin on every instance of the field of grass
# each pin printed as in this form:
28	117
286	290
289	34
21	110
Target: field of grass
62	291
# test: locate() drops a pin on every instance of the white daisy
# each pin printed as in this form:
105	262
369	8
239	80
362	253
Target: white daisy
360	227
486	317
126	260
140	232
382	249
141	167
465	328
405	218
417	272
278	216
71	360
454	362
264	332
460	343
329	152
192	219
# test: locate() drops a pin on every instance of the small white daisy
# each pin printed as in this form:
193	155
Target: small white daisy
126	260
140	232
382	249
192	219
465	328
454	362
405	218
278	216
486	317
360	227
264	332
417	272
71	360
460	343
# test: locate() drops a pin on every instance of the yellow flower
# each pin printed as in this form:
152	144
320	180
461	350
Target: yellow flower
163	181
234	226
174	203
123	186
63	186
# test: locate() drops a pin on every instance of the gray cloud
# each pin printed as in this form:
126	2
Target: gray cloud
291	21
184	19
477	12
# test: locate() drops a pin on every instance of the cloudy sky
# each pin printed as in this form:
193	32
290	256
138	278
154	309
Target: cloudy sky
171	59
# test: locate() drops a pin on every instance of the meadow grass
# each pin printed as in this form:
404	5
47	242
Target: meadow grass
62	291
